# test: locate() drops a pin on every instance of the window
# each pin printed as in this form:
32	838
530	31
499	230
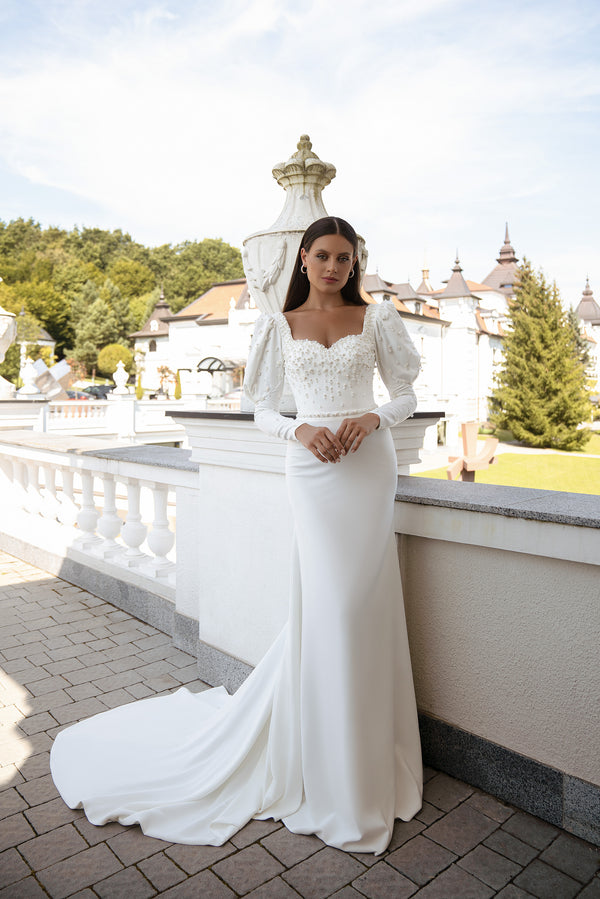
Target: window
152	346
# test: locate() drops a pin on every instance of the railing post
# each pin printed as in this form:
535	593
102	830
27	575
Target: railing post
88	515
67	513
110	523
33	498
133	532
160	539
49	502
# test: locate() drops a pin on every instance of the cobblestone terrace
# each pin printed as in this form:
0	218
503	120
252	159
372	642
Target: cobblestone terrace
66	654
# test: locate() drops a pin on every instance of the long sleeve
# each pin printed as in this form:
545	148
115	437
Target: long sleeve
264	378
398	364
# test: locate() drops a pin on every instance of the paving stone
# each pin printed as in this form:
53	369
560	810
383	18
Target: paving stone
125	663
420	859
531	830
323	873
22	743
428	813
202	886
187	675
576	858
14	830
446	792
12	867
248	869
163	683
382	881
10	776
37	723
35	766
56	643
454	883
52	847
403	832
132	845
275	889
195	858
95	672
154	641
592	890
161	871
37	791
75	711
11	802
493	869
253	831
512	892
82	870
347	893
140	691
50	815
545	882
49	701
118	681
24	889
83	691
116	698
127	884
94	833
461	829
291	848
490	806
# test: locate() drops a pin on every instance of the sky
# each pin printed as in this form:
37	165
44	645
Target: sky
444	118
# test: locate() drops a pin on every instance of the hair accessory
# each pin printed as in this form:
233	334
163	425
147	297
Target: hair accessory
303	269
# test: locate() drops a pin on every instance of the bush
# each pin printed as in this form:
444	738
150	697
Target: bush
110	355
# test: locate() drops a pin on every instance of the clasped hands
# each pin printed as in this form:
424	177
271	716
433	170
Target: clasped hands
330	447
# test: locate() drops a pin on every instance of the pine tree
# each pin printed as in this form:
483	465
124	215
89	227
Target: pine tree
541	394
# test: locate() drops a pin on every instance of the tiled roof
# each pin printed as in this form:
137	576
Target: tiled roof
214	305
503	276
160	312
588	309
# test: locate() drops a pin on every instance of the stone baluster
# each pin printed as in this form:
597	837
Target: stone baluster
133	532
8	488
110	523
88	515
49	504
160	540
67	513
33	498
20	483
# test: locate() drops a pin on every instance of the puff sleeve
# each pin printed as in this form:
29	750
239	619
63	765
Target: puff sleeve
398	363
264	378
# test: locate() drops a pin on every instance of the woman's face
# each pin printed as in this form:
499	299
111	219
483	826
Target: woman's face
329	262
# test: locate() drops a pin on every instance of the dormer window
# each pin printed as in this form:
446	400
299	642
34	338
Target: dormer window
417	308
154	325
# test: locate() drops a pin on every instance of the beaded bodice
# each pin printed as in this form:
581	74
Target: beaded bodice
330	381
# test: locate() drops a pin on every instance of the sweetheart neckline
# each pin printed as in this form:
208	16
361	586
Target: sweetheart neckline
318	342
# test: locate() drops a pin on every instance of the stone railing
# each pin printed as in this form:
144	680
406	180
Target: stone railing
99	519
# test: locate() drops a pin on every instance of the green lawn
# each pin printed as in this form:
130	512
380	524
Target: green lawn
593	445
545	471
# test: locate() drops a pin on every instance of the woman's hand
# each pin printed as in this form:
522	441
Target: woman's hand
353	431
322	442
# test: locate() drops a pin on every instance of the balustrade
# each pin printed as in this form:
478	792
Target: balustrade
119	517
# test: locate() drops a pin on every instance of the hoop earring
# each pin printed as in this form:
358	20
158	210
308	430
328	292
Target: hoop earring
351	275
303	269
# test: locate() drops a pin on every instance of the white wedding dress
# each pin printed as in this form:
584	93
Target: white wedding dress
323	734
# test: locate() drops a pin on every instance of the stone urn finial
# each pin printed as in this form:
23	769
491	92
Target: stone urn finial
269	255
120	377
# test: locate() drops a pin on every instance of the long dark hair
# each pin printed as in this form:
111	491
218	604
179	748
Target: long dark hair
299	288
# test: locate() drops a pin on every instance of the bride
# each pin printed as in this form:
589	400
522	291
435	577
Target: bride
323	734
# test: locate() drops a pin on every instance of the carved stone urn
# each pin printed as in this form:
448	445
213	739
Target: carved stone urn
269	255
8	334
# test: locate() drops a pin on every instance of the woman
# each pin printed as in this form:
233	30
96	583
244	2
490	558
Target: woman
323	734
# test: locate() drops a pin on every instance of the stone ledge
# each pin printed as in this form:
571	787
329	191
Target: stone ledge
576	509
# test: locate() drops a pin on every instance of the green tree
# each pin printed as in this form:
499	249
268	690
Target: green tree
99	328
110	293
110	355
541	394
131	277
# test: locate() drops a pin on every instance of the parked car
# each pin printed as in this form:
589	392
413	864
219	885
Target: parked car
78	395
99	391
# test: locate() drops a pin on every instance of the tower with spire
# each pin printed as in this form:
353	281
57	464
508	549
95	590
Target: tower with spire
503	276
